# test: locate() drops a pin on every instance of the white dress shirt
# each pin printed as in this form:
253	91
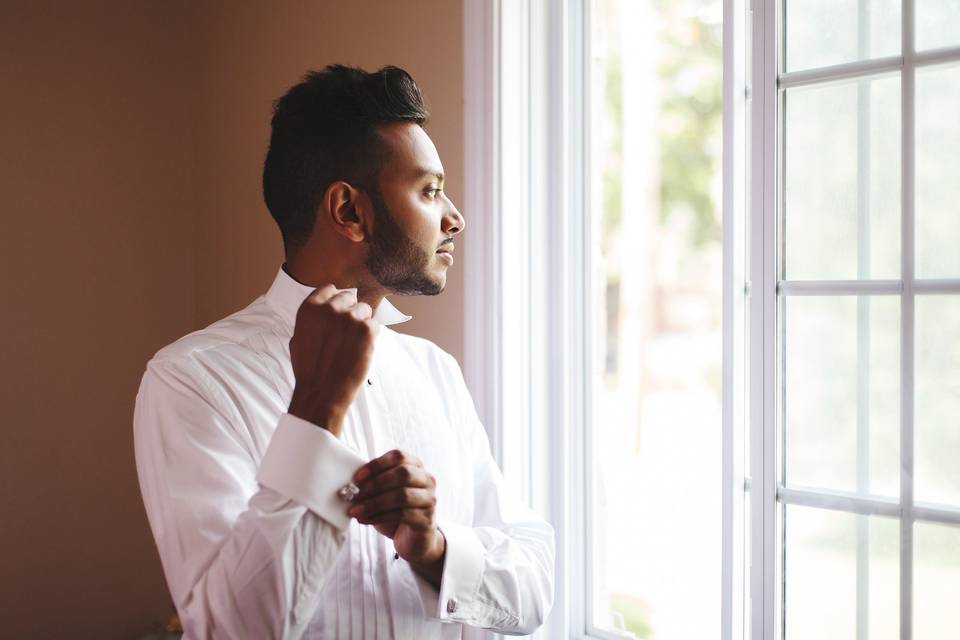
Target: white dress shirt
241	496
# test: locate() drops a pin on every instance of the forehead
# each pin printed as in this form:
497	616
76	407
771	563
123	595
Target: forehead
409	152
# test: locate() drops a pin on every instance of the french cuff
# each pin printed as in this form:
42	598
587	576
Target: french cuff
462	571
310	465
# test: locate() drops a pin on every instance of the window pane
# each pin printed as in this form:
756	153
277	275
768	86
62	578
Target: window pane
842	364
655	104
937	158
821	33
936	581
938	24
842	570
842	181
937	405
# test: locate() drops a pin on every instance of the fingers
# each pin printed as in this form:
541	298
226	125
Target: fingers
361	311
322	294
383	463
393	500
402	475
416	518
343	300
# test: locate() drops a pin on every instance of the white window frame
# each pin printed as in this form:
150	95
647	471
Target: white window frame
525	268
768	291
528	271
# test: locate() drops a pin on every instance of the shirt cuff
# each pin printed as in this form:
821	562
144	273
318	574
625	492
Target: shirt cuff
463	564
309	465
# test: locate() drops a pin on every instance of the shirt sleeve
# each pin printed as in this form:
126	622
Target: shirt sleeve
498	573
242	559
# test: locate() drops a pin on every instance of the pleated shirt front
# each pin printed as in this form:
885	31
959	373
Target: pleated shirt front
240	495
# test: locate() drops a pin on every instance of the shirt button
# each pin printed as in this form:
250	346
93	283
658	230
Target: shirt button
369	382
451	605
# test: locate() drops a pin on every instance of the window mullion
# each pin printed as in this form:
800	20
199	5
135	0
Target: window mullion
840	501
863	323
764	592
735	114
907	84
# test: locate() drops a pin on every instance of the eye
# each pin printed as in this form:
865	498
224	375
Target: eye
433	192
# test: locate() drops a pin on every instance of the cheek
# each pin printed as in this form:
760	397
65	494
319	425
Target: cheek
423	225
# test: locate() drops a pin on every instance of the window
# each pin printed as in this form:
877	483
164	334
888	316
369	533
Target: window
653	136
854	292
739	430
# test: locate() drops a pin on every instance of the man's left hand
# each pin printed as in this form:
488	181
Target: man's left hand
398	497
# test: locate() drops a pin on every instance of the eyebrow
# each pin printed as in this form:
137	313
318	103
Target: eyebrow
423	172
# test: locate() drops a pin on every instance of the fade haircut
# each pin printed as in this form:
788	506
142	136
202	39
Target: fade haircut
324	129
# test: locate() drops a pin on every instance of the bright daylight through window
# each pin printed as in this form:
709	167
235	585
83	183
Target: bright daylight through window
867	320
655	185
724	328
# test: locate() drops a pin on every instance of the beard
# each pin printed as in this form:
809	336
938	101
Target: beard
396	262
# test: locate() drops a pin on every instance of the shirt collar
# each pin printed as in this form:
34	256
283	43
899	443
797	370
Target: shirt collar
286	295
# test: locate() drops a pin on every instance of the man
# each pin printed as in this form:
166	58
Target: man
307	471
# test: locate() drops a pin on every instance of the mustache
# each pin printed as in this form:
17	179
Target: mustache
446	241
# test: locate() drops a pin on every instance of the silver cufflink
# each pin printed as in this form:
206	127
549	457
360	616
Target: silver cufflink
348	492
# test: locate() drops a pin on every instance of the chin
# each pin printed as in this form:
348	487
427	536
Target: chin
425	285
439	284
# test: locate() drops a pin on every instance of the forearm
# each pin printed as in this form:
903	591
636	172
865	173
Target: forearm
264	579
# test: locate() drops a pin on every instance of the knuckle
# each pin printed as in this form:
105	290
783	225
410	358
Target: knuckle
372	486
404	473
366	329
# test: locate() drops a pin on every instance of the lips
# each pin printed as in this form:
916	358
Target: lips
446	254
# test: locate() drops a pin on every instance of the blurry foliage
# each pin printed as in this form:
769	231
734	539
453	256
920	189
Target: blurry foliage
689	129
613	172
635	612
691	117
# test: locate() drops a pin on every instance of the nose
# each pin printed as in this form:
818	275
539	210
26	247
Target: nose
453	222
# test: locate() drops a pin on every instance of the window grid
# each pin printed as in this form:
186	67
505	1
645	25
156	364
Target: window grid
906	288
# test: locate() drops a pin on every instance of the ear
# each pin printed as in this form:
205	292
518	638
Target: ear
349	211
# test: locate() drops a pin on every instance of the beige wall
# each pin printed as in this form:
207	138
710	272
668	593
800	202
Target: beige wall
133	136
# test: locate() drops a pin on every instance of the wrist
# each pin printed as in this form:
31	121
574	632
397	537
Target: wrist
323	414
437	549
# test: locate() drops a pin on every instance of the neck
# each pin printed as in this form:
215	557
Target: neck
319	275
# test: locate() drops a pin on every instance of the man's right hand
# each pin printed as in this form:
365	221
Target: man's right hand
330	351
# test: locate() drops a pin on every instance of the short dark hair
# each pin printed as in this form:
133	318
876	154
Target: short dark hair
323	130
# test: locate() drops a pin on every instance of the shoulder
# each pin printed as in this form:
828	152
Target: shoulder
238	331
223	354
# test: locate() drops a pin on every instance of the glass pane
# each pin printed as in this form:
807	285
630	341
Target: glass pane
842	573
937	404
842	181
821	33
657	301
938	24
937	158
842	394
936	581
